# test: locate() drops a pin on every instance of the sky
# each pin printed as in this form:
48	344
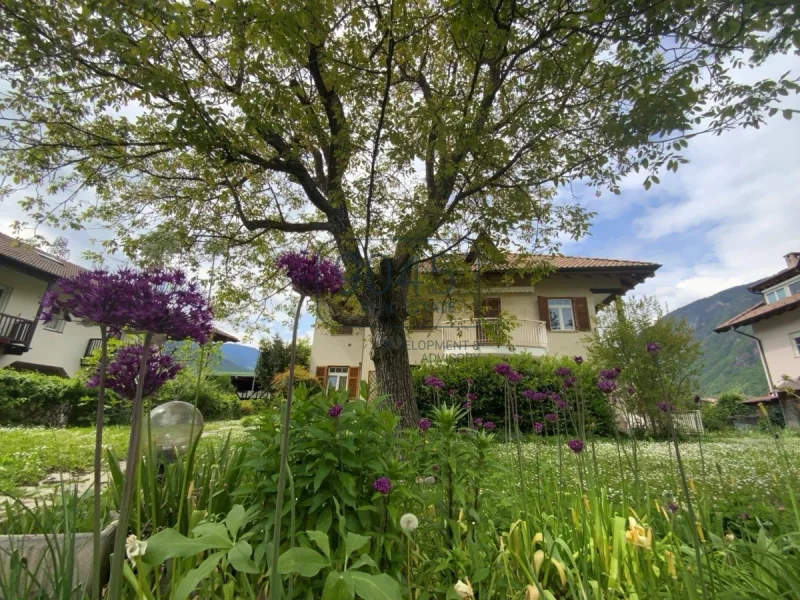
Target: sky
724	219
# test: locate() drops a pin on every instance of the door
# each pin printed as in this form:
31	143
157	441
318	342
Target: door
490	309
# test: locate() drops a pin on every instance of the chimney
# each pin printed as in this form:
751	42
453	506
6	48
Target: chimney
792	259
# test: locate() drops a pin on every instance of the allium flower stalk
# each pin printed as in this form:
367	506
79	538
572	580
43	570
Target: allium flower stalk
382	485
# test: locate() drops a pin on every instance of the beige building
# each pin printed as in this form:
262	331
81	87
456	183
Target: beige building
551	317
776	331
26	343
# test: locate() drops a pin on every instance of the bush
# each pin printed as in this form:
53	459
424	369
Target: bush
301	375
216	400
537	375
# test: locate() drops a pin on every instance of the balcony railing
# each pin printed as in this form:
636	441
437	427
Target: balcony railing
16	331
94	344
467	333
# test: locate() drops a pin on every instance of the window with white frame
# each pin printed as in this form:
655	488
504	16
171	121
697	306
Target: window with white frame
795	339
55	324
786	289
561	317
337	378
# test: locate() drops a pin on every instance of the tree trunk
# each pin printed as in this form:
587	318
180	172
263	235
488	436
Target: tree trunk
392	368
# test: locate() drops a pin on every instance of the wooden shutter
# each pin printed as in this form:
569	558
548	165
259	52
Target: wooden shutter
352	382
489	309
581	309
544	311
322	376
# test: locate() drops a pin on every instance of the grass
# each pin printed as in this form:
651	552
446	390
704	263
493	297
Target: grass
31	453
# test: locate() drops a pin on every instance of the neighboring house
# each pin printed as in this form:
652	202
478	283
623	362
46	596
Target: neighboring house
552	317
26	343
776	331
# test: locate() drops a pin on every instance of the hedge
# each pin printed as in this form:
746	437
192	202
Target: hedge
537	375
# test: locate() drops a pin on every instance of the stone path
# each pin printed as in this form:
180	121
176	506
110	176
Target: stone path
31	495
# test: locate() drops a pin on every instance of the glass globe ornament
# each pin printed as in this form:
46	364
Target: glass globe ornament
171	430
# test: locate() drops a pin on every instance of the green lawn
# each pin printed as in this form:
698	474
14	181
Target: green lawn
29	454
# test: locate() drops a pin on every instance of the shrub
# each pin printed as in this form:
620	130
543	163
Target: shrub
301	376
537	375
216	398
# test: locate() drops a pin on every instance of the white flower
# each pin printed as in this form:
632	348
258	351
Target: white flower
409	522
134	547
464	590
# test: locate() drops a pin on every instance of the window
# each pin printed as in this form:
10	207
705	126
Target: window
776	295
787	289
561	318
795	339
794	288
342	330
56	325
337	378
5	294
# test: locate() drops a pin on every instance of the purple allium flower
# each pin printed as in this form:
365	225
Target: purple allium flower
609	373
425	424
514	377
554	397
665	407
122	375
433	381
311	274
561	404
529	394
398	403
382	485
489	425
606	386
539	397
551	417
335	410
478	422
673	507
470	381
472	396
653	348
578	360
630	390
569	382
503	369
467	405
563	372
451	392
576	446
538	427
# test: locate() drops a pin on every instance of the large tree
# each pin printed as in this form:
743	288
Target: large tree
383	131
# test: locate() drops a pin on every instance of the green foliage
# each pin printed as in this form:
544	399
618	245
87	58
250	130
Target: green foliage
216	397
302	376
275	356
719	416
538	375
621	339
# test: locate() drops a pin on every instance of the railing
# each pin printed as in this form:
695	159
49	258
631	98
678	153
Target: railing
94	344
16	330
467	333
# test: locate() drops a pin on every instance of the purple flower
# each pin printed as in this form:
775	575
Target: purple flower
489	425
514	377
122	375
563	372
470	381
630	390
653	348
569	382
576	446
551	417
578	360
335	410
538	427
561	404
503	369
311	274
472	396
398	404
433	381
529	394
606	386
665	407
467	405
451	392
478	422
382	485
425	424
673	507
516	417
539	396
610	373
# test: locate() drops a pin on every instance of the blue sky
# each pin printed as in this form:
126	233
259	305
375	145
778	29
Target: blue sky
726	218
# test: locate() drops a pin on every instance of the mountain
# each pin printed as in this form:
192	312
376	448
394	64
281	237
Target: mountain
238	357
731	360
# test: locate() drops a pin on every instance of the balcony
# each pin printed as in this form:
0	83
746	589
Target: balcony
15	334
467	336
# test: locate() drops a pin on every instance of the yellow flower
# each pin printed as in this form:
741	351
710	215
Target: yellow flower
561	573
537	538
700	533
464	590
670	559
538	559
586	503
638	535
531	593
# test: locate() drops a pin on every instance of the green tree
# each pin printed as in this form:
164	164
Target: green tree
386	133
620	339
273	358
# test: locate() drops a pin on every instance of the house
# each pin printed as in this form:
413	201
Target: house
26	343
551	317
776	331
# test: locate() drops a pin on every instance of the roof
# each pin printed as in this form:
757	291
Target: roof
32	258
759	312
563	263
222	336
768	282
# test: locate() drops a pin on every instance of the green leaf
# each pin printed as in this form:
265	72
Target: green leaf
239	557
171	544
376	587
338	586
354	542
193	578
303	561
235	519
321	539
322	473
364	559
787	114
